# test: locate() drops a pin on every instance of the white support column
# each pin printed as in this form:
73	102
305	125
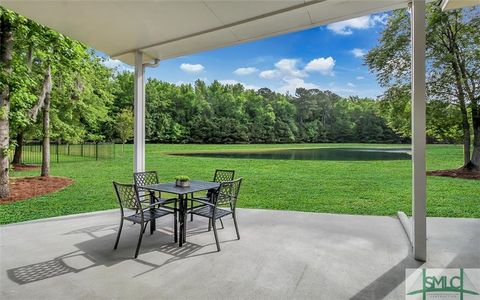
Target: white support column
419	222
139	115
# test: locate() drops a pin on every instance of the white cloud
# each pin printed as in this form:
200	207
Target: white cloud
359	78
245	71
270	74
382	19
292	83
321	65
365	22
350	84
233	81
117	65
290	73
190	68
284	67
357	52
288	66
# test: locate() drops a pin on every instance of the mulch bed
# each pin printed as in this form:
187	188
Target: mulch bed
458	173
22	188
25	167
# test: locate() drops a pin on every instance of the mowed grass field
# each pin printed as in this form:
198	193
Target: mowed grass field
346	187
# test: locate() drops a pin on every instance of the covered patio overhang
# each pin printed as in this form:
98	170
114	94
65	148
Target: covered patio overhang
454	4
142	33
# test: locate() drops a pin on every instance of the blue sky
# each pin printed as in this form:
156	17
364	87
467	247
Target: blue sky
327	57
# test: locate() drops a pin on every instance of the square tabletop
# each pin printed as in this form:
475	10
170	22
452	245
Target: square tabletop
170	187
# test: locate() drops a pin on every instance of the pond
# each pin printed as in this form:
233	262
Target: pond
347	154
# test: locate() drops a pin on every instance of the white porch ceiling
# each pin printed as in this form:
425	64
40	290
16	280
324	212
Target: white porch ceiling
164	29
454	4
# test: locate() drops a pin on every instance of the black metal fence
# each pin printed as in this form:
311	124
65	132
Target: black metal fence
32	152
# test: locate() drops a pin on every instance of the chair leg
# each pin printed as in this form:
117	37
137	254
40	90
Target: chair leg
145	227
209	224
142	229
118	234
215	234
221	223
235	223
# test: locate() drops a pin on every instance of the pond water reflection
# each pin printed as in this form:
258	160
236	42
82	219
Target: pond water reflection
342	154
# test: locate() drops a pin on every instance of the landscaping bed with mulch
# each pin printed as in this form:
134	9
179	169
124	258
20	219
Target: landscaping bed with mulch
456	173
25	167
22	188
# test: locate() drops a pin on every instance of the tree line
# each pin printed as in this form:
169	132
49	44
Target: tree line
218	113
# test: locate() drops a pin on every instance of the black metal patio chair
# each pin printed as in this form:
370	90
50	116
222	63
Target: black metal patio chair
151	177
219	176
223	202
128	198
147	178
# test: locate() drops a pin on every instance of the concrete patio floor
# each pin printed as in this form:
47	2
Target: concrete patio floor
281	255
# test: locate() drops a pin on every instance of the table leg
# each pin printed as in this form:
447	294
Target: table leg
185	218
175	222
152	221
181	215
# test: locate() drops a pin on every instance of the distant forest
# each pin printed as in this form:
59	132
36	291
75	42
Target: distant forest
217	113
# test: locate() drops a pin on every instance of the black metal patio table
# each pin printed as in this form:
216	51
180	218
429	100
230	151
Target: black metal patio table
182	192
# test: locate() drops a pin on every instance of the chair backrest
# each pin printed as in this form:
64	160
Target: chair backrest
227	193
145	178
127	195
223	175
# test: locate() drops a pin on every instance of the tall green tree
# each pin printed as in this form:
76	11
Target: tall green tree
453	67
124	125
7	24
61	82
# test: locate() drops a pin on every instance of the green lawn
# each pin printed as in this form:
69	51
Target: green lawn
359	187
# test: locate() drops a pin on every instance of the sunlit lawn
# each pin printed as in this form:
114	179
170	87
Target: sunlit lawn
359	187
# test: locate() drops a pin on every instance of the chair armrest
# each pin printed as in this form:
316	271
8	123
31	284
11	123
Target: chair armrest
203	202
154	205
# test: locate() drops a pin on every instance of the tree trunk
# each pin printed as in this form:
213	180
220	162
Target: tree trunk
463	110
6	48
33	112
465	92
46	89
476	136
17	156
469	85
466	132
466	135
46	128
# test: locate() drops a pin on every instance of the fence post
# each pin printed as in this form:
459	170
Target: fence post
81	149
57	151
96	151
